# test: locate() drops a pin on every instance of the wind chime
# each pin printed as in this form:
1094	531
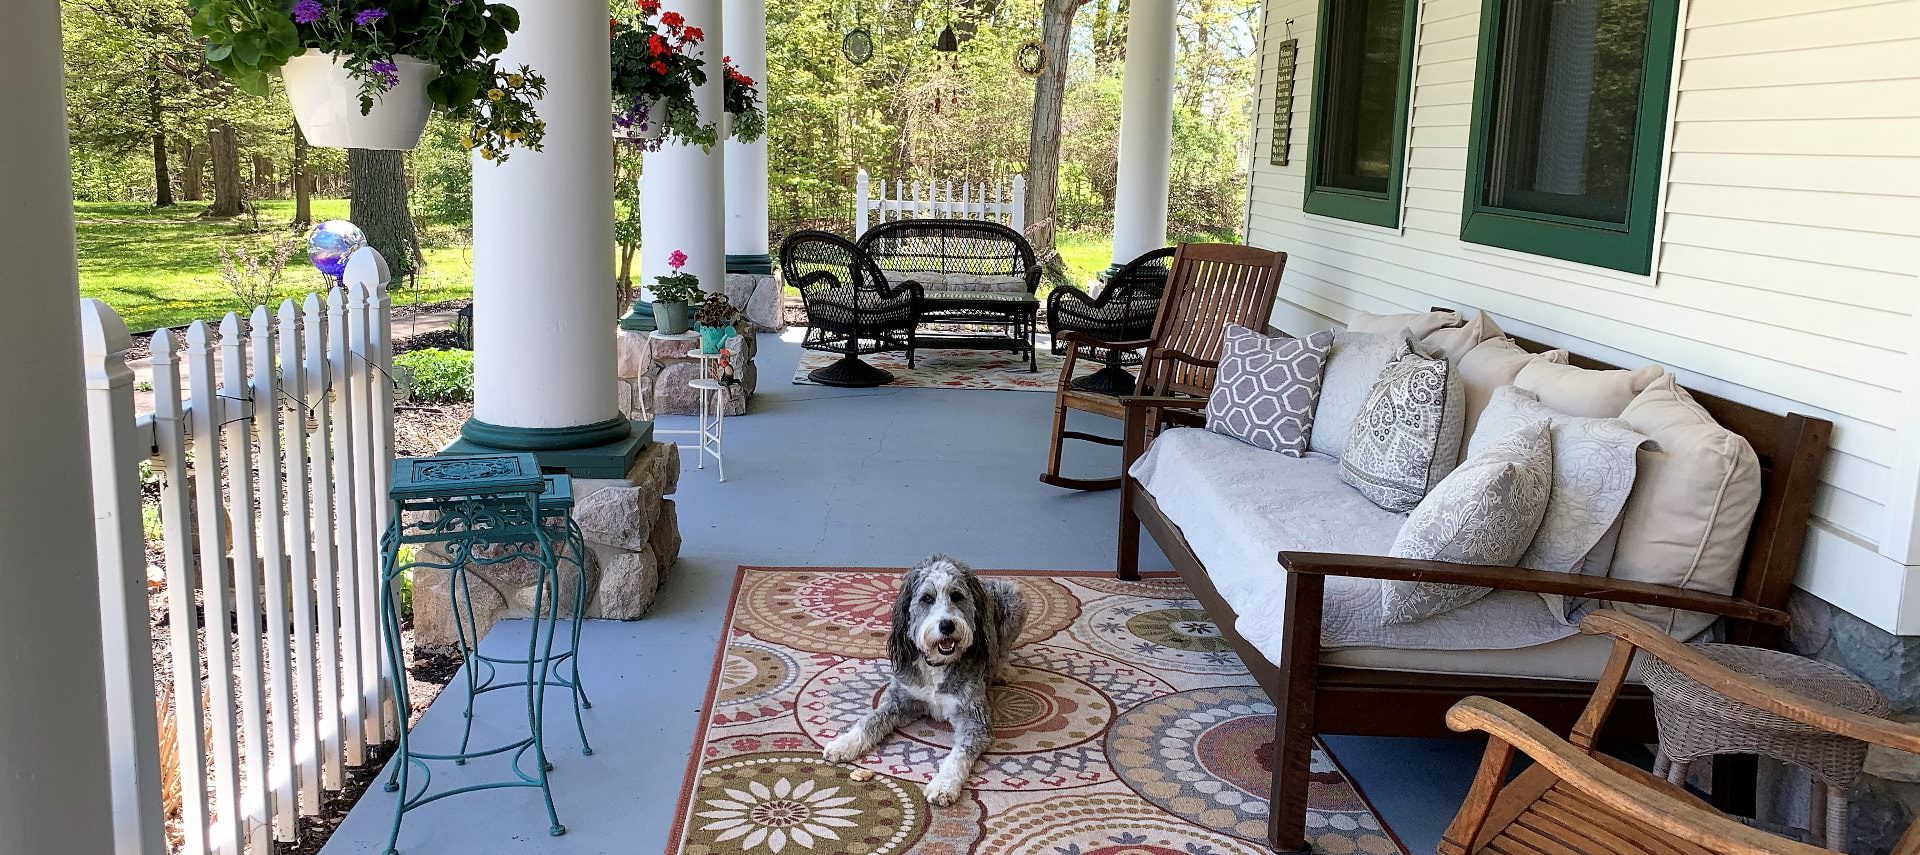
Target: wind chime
949	44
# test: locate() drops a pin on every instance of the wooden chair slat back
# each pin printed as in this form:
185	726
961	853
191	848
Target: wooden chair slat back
1791	449
1209	286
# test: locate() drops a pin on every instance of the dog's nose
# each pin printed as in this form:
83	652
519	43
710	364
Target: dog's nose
946	627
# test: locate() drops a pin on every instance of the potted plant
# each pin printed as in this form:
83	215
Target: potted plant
672	293
716	319
654	75
366	73
743	120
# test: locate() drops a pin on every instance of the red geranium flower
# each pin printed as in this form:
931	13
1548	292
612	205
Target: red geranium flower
673	20
647	6
656	45
695	34
659	67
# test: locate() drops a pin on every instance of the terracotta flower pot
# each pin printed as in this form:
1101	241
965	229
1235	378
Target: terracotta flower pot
326	102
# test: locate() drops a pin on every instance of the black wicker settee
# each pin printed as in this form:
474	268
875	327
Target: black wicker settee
971	275
1122	311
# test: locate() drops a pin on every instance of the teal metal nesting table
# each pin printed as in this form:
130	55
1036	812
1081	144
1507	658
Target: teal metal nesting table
482	510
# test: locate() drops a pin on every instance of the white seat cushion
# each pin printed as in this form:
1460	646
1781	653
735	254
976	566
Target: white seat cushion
1239	507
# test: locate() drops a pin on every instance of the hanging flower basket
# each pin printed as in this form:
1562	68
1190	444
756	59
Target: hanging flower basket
655	66
645	122
741	117
326	102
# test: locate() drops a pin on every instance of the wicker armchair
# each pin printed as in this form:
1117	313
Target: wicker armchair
851	310
1123	311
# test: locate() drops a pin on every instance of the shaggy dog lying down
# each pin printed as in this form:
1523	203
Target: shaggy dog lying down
952	633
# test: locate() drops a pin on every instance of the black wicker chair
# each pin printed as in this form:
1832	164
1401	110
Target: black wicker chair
1123	311
974	275
851	310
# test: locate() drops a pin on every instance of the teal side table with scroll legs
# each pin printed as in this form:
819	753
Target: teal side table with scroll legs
481	509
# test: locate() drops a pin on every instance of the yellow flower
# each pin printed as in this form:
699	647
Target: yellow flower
470	141
510	134
540	125
486	154
495	94
515	80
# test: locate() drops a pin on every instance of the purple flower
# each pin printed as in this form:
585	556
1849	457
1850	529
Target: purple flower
368	16
307	11
388	73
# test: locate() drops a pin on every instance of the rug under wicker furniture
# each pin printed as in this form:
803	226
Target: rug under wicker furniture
954	369
1124	726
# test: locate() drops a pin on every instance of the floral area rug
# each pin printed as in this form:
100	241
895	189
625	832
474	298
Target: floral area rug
1125	727
957	369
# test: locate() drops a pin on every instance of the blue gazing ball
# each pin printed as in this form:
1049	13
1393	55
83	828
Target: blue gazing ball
331	243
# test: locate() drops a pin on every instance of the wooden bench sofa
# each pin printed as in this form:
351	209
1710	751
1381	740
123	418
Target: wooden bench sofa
1312	696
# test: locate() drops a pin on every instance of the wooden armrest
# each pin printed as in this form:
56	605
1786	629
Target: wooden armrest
1162	402
1168	354
1632	796
1811	712
1522	579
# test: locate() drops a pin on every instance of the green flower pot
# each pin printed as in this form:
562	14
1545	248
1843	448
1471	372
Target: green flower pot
670	318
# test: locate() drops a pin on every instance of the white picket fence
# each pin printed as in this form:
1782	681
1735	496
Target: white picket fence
272	472
1003	202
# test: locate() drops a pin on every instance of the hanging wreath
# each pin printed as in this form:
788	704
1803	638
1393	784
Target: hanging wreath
857	46
1030	58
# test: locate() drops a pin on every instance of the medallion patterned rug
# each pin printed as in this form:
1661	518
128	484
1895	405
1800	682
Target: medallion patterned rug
1125	727
956	369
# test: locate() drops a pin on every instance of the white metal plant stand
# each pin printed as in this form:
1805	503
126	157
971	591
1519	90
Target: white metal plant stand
712	417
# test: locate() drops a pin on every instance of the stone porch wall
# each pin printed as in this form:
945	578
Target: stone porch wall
1888	797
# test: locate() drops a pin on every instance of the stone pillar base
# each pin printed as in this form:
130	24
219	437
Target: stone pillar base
633	538
660	368
757	294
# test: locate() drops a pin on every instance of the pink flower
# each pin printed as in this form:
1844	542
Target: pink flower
677	260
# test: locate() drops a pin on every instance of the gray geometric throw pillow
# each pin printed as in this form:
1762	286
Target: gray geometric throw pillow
1265	390
1407	437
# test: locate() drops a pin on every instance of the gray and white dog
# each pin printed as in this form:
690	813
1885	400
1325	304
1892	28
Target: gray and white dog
952	633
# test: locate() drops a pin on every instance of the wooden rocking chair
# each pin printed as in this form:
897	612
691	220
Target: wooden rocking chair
1573	800
1210	285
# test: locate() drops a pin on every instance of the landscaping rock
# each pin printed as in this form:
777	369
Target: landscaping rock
628	583
665	540
433	626
618	516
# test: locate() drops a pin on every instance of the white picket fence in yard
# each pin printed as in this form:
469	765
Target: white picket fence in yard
272	474
1003	202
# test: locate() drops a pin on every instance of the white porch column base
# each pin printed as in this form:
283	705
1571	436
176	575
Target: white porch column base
746	163
543	259
1146	133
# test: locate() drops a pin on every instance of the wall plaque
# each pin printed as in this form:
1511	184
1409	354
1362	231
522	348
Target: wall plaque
1289	52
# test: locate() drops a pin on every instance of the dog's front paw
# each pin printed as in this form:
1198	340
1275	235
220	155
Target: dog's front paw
944	790
844	748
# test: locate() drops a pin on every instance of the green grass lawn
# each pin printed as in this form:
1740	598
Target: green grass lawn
160	267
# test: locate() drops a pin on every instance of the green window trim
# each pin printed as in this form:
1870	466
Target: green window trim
1627	248
1360	206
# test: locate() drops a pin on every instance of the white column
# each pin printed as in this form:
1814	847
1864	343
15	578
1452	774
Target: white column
54	794
683	190
1146	132
746	163
543	247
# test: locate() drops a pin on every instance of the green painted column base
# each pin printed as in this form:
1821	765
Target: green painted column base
639	318
759	264
609	451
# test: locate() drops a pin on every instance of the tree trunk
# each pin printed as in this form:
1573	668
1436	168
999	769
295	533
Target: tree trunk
227	200
302	182
192	178
162	175
378	181
1043	138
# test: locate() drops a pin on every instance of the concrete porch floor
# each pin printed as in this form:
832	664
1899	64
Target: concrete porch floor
816	477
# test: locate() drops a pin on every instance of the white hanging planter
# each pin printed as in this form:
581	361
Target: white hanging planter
326	102
656	124
726	125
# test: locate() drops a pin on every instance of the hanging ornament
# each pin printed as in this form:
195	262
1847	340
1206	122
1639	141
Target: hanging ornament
857	46
948	41
1030	58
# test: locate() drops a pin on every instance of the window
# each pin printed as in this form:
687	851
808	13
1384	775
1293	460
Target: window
1361	82
1569	119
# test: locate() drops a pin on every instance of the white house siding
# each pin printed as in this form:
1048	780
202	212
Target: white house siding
1785	262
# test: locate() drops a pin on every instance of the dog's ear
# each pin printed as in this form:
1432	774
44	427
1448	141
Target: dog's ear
900	646
986	629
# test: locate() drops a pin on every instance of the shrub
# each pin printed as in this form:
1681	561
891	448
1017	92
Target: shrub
439	376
